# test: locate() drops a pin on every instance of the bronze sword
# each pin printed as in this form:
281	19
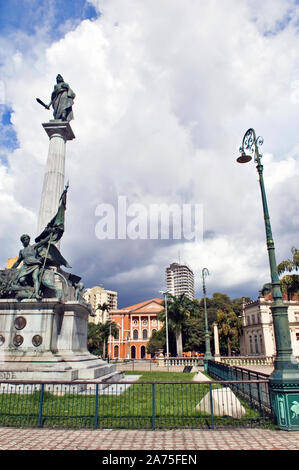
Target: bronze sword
42	103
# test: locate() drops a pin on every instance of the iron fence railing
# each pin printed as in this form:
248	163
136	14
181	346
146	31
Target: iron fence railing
252	385
131	405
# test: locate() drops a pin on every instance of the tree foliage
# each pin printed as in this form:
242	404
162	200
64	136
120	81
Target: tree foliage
157	341
290	282
94	339
97	336
178	311
187	317
229	328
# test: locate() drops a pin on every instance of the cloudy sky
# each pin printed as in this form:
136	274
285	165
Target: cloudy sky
165	91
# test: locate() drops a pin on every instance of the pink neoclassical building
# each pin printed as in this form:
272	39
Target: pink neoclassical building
136	324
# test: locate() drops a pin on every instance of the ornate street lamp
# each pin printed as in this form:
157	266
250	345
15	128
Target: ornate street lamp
284	380
208	356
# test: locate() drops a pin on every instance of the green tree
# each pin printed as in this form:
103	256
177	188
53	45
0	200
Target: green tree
290	282
229	327
98	335
106	329
186	319
194	334
157	341
104	308
178	310
94	339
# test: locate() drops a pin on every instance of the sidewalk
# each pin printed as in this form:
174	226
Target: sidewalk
186	439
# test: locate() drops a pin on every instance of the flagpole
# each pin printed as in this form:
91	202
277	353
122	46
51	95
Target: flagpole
45	260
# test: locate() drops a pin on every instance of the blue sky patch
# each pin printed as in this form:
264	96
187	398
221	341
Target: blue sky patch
54	18
8	138
29	15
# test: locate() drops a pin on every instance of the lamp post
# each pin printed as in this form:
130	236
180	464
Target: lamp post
166	322
110	340
284	380
208	356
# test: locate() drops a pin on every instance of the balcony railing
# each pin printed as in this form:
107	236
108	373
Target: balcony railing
248	360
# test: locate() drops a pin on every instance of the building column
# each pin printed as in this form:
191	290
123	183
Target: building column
269	346
59	133
216	341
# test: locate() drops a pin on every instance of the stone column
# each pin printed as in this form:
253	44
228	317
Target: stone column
59	133
216	341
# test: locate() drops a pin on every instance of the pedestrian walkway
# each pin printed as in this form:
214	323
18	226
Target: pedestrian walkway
179	439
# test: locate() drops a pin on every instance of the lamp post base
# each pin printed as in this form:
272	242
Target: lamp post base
207	357
284	395
284	380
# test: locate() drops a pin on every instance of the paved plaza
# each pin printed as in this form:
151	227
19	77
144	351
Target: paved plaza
186	439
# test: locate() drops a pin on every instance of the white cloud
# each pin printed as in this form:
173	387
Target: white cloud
163	98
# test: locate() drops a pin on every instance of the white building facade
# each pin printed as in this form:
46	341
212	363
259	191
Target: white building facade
96	296
258	334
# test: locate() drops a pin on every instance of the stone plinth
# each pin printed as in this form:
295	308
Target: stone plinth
47	340
59	133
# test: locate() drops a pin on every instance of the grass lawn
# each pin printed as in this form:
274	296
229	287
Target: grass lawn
161	376
141	406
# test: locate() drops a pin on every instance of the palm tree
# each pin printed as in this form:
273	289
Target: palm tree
178	309
109	328
94	339
104	307
290	282
229	325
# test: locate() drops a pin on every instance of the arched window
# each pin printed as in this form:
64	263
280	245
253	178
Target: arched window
144	334
142	352
116	350
133	352
135	334
261	344
250	344
154	331
256	344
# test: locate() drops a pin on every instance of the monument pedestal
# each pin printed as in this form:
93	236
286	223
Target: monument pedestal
47	340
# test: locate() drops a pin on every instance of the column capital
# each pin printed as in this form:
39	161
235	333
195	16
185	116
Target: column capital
62	128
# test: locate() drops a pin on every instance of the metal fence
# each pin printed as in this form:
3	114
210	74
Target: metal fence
130	405
251	385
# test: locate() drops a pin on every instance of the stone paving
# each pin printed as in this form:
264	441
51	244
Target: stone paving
186	439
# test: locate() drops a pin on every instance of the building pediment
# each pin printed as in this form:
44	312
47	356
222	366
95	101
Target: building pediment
151	306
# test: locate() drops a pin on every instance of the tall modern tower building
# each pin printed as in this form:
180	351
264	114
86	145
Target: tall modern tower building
180	280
